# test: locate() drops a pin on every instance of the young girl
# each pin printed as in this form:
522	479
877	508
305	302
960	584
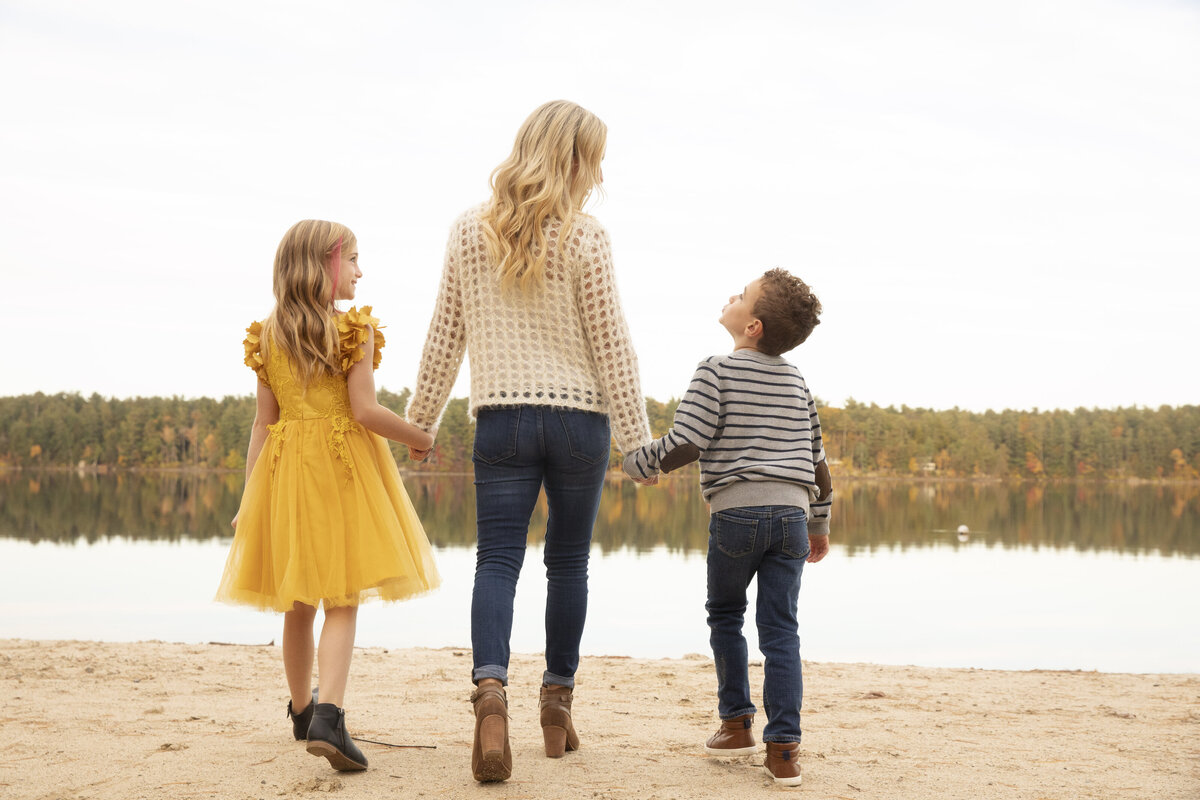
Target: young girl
324	516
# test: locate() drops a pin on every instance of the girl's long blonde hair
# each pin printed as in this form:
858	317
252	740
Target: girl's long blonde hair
302	322
553	167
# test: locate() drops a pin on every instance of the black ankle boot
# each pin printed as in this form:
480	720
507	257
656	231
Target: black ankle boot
301	721
327	737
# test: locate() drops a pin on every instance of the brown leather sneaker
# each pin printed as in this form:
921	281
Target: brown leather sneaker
783	762
735	738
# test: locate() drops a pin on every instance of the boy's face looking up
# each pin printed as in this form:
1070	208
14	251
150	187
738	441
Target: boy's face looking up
738	315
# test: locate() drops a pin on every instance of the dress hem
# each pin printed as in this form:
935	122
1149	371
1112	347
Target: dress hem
264	602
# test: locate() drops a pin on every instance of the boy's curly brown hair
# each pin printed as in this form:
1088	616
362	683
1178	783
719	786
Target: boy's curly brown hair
788	310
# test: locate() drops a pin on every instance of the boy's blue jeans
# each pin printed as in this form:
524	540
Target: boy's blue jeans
772	542
518	449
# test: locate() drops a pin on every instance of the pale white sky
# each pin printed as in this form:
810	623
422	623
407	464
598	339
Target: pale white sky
997	202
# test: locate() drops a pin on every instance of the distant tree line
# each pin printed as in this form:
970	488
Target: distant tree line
1164	518
69	430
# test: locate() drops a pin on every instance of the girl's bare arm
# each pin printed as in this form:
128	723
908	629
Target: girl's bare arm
367	410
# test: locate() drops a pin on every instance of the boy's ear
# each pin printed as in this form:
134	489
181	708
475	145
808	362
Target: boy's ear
754	328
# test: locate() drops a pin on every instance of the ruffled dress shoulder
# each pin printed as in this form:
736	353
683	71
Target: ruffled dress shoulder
324	518
352	337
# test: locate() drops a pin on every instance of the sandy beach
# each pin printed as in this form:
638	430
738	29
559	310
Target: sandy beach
159	720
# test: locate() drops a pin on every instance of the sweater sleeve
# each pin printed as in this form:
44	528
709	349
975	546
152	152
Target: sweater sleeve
445	344
696	421
819	508
608	337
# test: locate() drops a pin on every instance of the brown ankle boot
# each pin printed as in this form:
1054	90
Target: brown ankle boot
783	762
491	758
557	729
735	738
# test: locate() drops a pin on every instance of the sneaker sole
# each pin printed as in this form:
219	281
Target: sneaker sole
785	781
725	751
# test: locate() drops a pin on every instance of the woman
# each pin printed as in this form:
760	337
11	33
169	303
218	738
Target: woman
528	290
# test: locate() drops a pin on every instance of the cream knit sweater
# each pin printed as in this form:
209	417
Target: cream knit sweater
563	343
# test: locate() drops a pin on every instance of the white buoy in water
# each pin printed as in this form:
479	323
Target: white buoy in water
964	533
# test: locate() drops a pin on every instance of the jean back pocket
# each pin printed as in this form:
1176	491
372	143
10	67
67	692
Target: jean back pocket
588	434
795	535
735	536
496	434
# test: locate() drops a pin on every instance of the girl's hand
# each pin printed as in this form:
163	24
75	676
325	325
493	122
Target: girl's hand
233	522
419	455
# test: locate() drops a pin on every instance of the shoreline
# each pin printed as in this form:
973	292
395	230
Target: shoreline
684	472
169	720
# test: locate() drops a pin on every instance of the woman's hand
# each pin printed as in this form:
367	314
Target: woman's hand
651	481
419	455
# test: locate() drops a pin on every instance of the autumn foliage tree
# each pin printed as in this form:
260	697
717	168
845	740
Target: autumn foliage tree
69	430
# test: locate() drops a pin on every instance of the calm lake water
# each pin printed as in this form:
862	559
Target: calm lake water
1050	577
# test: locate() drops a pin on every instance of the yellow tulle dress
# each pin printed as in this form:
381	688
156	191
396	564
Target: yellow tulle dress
324	517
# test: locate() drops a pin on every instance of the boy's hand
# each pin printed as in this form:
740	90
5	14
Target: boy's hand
818	548
419	455
628	466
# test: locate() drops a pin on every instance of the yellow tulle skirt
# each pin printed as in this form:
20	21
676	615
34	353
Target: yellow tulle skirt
325	520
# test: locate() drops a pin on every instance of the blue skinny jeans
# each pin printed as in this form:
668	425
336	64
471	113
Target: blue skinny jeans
518	450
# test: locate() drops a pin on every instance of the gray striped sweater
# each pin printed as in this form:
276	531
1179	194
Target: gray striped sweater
755	423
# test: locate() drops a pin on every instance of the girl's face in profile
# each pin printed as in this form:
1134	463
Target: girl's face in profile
348	275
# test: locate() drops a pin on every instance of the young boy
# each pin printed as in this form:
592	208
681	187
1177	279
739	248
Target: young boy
762	470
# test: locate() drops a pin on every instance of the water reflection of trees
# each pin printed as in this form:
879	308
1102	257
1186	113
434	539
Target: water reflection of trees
1136	519
64	507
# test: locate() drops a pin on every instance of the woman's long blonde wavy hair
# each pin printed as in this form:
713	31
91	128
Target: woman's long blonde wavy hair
551	172
302	322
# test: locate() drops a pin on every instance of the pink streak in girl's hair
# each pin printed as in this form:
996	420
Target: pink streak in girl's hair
337	269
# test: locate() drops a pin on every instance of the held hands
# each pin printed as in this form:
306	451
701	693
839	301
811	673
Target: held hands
630	468
422	453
